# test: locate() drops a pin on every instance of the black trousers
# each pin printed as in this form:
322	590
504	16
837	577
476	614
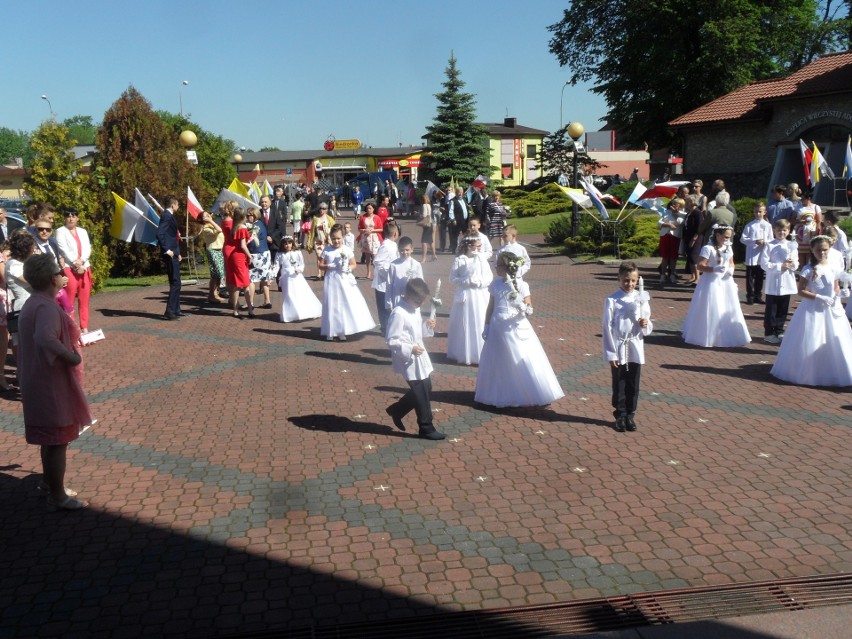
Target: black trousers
419	399
754	282
625	389
172	268
775	314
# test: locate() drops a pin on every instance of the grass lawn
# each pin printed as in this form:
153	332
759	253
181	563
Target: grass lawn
123	283
534	225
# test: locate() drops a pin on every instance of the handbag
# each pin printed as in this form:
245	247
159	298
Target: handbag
425	219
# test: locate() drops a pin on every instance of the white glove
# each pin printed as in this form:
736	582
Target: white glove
720	268
485	332
825	299
528	311
845	292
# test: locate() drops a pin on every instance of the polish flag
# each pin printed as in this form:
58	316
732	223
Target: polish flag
192	205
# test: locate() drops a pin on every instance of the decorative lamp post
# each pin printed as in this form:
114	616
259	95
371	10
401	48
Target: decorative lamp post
575	131
523	158
49	105
567	82
188	139
180	94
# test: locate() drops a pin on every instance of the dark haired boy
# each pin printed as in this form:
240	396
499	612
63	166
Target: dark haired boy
409	357
626	322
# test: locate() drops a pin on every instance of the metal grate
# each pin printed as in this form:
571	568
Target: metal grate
598	615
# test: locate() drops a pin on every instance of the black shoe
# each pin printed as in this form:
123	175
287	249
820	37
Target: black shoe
170	317
397	420
181	314
434	435
620	424
631	425
749	301
758	300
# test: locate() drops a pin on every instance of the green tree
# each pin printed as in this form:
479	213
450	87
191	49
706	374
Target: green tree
137	149
58	179
81	128
214	156
457	145
269	148
655	60
15	144
557	155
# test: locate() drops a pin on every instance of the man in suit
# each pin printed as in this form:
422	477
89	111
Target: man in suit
459	215
168	238
7	225
274	217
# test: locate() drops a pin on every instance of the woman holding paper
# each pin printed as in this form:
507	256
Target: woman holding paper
74	244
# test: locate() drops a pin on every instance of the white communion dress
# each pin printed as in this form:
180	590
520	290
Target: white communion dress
299	301
817	346
344	309
513	367
714	317
471	277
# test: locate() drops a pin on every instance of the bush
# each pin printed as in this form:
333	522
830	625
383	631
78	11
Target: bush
645	240
594	236
559	230
545	201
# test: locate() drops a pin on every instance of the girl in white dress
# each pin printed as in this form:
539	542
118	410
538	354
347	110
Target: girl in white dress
513	367
817	347
471	276
298	300
715	317
344	309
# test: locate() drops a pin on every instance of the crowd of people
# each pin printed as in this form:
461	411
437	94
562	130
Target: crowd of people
791	247
797	250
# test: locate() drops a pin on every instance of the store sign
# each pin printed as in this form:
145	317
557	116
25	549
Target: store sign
517	153
347	145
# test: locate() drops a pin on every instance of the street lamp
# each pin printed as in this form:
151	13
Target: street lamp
575	131
49	105
567	82
180	93
523	158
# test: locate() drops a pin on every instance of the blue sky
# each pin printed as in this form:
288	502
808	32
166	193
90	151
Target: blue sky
285	73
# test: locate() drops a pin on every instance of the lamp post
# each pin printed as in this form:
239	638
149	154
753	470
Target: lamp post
567	82
49	105
523	158
180	95
575	131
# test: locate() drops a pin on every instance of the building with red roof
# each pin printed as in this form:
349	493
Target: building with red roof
750	137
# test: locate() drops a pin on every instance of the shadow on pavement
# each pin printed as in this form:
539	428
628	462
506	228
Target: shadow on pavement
347	357
337	424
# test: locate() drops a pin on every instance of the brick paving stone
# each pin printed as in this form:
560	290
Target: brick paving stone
305	506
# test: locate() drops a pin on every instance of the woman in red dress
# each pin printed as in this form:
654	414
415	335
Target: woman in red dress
227	211
238	260
370	237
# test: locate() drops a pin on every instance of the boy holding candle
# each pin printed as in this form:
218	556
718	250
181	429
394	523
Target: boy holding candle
626	322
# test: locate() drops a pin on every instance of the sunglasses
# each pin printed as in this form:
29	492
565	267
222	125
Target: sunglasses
43	228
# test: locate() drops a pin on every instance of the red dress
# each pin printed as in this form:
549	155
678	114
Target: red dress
236	262
227	247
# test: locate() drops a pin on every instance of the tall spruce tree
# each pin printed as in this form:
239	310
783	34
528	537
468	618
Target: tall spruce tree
137	149
457	145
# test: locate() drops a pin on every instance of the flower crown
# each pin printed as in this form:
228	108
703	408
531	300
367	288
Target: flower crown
722	227
513	263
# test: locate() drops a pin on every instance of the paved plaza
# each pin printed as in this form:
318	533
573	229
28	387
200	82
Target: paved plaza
243	475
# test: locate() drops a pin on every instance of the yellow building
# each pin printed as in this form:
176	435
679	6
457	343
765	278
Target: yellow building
514	150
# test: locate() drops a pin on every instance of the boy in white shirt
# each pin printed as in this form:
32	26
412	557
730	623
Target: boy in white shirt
402	269
626	322
473	229
510	243
756	234
348	237
409	357
387	253
779	259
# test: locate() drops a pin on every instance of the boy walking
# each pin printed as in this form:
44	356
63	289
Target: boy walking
405	339
387	253
626	322
402	269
